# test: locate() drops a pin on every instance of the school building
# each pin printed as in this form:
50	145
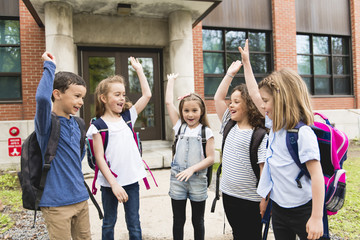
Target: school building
196	38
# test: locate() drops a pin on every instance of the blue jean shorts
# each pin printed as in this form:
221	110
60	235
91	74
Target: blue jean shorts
195	188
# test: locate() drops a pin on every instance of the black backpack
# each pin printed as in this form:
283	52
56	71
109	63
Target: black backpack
33	172
256	139
203	142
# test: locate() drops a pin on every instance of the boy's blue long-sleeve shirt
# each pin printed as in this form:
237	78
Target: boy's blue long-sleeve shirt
65	181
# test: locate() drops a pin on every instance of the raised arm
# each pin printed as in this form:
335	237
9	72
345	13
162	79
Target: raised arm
220	95
250	80
145	89
169	98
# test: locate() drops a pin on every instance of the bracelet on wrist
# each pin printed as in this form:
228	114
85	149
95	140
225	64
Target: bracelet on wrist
229	75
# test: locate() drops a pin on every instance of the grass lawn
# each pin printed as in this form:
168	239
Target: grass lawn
10	196
346	224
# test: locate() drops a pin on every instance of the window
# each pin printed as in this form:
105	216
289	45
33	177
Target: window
220	49
324	64
10	61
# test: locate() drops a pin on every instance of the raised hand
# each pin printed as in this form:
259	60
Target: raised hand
234	68
136	64
245	56
48	57
172	76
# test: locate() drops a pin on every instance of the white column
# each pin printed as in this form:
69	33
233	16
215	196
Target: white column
59	35
181	51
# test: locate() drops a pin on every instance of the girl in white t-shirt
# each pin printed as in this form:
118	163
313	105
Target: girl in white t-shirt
243	206
283	98
121	153
189	166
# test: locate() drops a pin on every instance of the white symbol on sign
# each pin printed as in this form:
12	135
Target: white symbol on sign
15	152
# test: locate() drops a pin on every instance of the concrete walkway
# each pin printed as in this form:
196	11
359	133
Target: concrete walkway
156	214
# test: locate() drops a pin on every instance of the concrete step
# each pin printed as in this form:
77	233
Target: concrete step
157	154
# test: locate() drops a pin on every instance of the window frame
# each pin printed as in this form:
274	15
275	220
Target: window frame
224	51
330	55
12	74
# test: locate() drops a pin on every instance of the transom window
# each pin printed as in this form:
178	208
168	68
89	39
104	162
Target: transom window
324	64
10	61
220	49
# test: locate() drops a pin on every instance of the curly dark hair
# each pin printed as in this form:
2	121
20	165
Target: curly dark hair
256	119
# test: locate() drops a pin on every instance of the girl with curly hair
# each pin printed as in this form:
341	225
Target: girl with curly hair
243	206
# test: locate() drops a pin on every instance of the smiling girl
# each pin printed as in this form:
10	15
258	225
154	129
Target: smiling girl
122	152
282	97
189	166
243	206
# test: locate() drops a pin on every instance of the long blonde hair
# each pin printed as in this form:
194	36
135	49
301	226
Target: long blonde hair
195	97
103	88
291	99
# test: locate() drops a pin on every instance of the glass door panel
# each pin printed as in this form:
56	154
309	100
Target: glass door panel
100	65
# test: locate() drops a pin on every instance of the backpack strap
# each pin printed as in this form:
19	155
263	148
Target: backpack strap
203	142
229	125
177	138
292	137
127	118
256	139
227	128
81	124
49	156
103	130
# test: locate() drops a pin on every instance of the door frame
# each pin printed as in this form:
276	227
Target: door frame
116	52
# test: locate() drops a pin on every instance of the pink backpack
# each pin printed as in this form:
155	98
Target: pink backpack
333	145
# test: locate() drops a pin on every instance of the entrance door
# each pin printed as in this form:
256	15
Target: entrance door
98	65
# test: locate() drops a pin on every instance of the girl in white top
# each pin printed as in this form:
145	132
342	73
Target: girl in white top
122	152
282	97
189	166
243	206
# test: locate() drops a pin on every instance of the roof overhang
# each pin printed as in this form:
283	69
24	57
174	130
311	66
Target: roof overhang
139	8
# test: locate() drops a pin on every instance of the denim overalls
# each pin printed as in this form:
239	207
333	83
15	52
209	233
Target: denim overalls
188	153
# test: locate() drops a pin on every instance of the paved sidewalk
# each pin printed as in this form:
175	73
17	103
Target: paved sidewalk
156	214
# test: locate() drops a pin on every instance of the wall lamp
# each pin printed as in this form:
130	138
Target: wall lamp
123	9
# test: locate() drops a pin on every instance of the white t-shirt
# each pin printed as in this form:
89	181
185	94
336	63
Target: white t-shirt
193	133
122	152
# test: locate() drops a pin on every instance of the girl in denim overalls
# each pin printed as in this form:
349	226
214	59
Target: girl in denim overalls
188	169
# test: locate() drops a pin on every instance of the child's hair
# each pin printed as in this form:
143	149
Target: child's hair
255	118
195	97
290	98
63	80
103	88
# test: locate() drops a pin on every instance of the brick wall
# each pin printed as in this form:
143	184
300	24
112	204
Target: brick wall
284	34
32	40
355	32
198	59
284	43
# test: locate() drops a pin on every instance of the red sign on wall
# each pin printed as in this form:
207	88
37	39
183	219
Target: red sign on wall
14	147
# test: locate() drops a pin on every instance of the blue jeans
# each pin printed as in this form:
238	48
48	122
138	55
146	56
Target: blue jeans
131	207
